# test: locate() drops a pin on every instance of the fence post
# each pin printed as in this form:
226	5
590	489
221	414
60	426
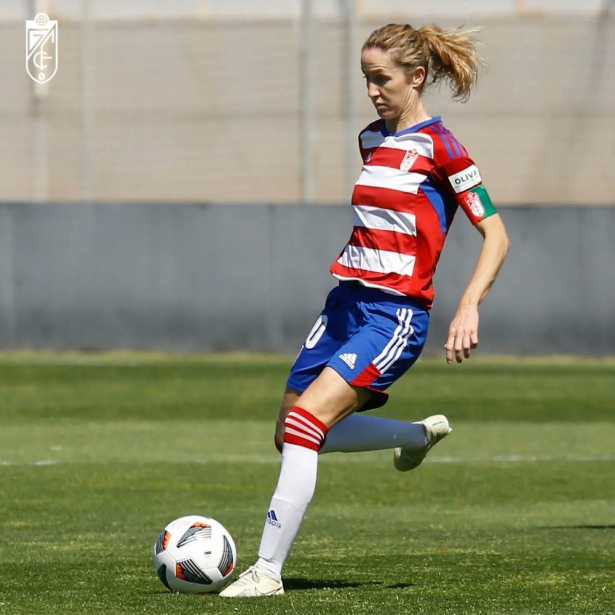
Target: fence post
306	103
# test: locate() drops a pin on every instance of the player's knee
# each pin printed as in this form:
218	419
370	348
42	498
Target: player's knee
279	431
279	435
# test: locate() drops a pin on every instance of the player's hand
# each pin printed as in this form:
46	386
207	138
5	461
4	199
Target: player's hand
462	334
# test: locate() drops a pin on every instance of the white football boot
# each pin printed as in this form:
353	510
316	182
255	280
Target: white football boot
254	582
436	428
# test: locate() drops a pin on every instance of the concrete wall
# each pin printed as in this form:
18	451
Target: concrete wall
210	277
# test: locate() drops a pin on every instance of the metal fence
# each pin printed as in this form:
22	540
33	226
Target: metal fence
258	101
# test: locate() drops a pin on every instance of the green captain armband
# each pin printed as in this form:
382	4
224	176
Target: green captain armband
479	202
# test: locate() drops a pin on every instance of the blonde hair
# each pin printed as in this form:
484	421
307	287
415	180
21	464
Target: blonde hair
446	55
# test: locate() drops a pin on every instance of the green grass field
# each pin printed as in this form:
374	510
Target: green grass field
513	513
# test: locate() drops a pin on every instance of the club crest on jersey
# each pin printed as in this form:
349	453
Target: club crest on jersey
475	204
466	179
408	160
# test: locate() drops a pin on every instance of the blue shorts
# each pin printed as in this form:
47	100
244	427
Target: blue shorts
369	337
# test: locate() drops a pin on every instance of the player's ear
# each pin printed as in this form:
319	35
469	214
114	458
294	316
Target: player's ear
417	78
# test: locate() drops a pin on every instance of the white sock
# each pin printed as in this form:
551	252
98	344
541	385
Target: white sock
361	432
302	438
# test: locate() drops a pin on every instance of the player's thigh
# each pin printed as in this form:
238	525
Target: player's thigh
330	398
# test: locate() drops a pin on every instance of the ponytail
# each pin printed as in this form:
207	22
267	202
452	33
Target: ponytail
452	57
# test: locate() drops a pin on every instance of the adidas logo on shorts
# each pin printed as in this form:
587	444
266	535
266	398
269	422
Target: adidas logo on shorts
350	358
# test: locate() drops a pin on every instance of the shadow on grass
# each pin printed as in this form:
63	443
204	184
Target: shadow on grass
579	527
299	584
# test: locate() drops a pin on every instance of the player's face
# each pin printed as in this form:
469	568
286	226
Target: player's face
391	90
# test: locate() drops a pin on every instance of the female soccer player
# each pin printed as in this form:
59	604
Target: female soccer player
372	329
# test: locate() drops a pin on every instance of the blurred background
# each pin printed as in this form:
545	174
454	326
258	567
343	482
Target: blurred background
177	184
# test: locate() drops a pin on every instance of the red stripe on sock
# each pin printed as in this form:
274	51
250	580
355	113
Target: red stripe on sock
308	416
304	436
290	438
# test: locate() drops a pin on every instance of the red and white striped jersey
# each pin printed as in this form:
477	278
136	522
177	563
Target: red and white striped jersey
404	202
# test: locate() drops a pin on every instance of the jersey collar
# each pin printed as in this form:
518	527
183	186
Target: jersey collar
415	128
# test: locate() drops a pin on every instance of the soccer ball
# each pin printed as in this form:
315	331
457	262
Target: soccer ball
195	555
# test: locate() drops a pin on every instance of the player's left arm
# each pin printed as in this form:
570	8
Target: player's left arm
463	331
462	179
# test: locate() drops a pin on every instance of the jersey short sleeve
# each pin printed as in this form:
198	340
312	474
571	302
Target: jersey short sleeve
462	178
